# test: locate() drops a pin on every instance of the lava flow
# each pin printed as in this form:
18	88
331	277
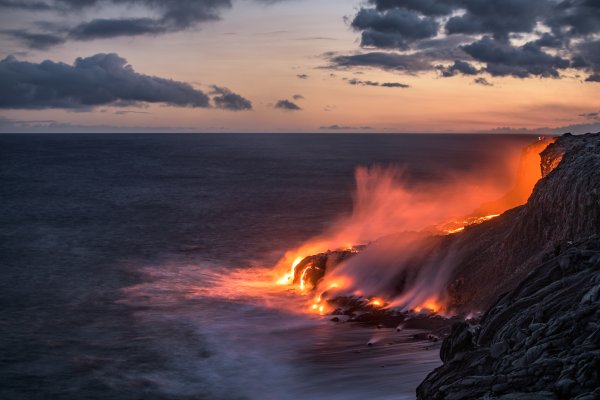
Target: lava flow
384	252
461	224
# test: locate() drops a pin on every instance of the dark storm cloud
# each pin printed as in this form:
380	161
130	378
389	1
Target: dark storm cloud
395	28
102	79
125	112
336	127
498	17
169	16
482	81
595	77
25	5
37	41
577	17
504	59
108	28
514	38
588	55
426	7
459	67
53	126
389	61
174	15
227	100
394	85
287	105
356	82
590	115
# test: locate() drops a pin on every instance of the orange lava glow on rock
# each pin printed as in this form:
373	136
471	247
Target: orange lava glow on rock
385	205
303	277
288	277
450	228
376	302
432	305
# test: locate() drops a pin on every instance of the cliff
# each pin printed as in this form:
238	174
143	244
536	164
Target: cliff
538	267
539	341
491	258
495	256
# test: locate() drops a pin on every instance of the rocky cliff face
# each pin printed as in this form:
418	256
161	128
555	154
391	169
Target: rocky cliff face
538	267
491	258
565	206
541	339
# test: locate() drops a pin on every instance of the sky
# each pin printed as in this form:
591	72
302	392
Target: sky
380	66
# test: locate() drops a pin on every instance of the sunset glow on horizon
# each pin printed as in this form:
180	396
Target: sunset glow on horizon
292	66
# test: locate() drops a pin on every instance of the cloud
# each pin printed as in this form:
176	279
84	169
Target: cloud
155	17
287	105
588	56
392	28
577	129
590	115
522	39
110	28
25	5
394	85
356	82
227	100
498	17
426	7
51	126
577	17
125	112
595	77
459	66
482	81
298	97
102	79
521	62
389	61
336	127
302	76
37	41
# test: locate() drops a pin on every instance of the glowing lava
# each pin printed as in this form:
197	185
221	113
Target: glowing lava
318	303
289	277
397	218
376	302
432	305
450	228
303	277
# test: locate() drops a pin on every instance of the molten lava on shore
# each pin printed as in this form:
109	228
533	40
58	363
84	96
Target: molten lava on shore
386	253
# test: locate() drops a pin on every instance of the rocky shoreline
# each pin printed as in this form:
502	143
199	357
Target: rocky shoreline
536	269
541	339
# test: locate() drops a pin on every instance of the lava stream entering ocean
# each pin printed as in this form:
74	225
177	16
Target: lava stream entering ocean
384	205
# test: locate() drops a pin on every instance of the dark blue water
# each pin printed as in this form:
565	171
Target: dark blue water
104	238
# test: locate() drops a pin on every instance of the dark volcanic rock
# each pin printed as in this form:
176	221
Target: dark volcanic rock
539	341
537	266
312	268
493	257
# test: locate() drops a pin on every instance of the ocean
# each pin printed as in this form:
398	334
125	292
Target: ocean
130	265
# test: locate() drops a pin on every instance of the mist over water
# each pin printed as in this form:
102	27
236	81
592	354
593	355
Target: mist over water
131	263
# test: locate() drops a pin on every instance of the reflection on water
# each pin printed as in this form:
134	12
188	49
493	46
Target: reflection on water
82	215
245	339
